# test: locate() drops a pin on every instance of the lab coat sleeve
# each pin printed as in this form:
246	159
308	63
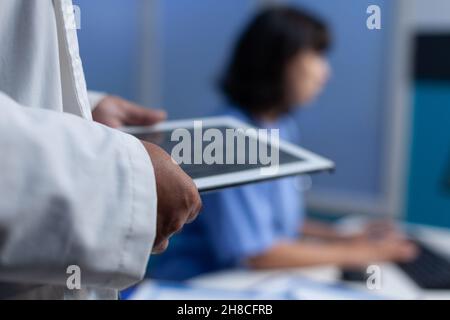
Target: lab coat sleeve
95	97
72	192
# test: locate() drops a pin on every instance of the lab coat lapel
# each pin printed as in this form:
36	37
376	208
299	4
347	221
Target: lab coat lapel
75	97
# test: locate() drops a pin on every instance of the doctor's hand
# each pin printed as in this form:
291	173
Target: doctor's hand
116	112
178	198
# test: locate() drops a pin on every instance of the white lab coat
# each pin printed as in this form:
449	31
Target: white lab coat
72	192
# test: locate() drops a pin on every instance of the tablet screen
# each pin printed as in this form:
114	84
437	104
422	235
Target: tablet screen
195	171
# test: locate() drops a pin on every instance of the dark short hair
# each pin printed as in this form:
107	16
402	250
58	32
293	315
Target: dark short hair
254	78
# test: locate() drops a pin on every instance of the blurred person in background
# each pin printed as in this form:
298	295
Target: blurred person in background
279	64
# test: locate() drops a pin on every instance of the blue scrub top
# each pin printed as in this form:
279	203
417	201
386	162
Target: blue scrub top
237	223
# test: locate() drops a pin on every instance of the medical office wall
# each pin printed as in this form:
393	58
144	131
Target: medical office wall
109	38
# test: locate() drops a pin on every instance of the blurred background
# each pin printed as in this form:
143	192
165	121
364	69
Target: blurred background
384	118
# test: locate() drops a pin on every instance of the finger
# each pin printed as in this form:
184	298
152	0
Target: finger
408	252
139	116
380	231
195	212
161	247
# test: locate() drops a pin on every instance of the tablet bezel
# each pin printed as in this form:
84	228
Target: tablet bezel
309	163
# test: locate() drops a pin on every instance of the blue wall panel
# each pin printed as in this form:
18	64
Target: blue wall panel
109	45
347	122
197	38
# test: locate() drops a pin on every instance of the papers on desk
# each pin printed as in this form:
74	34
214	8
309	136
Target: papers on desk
153	290
295	287
299	288
278	288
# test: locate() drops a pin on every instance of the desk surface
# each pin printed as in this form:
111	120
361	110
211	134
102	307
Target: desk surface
394	284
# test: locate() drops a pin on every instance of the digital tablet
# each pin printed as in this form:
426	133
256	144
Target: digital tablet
222	152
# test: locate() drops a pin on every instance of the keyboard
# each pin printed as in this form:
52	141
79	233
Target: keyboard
430	270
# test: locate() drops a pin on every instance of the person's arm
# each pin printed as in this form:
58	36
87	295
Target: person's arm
327	232
73	192
304	254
